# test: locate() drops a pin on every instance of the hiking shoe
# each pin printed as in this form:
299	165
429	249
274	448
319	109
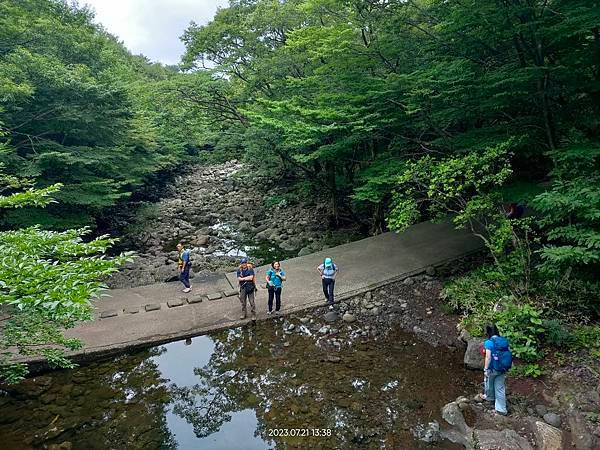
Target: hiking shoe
269	312
254	317
330	307
186	290
242	317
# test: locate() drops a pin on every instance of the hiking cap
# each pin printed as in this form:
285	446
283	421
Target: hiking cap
244	261
328	262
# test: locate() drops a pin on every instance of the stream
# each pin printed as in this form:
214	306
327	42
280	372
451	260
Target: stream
278	384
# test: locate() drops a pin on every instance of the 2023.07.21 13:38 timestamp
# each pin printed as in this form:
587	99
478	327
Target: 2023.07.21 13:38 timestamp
299	432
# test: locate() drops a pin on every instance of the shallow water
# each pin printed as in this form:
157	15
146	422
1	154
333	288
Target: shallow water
246	388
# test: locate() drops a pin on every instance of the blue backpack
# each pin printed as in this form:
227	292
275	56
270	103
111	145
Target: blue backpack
501	355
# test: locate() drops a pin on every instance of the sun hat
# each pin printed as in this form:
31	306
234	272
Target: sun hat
328	262
244	261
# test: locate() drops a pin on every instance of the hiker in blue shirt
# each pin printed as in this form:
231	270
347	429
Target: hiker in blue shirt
275	278
328	271
184	264
498	359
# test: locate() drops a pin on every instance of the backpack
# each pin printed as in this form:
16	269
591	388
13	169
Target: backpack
501	355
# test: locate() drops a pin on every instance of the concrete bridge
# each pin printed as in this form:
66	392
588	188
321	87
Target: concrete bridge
159	313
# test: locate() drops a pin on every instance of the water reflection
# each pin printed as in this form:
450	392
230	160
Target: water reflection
234	388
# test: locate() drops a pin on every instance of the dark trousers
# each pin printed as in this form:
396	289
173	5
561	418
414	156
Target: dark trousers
274	292
328	285
184	275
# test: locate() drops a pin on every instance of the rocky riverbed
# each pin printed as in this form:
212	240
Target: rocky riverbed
222	212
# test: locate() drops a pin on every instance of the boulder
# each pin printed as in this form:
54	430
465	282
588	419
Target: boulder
499	440
473	359
547	437
201	240
452	414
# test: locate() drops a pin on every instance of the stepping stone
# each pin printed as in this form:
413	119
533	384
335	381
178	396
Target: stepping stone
231	293
214	296
132	310
152	307
109	313
175	303
195	299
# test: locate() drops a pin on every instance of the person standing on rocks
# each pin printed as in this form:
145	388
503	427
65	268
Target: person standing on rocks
328	271
247	280
275	278
184	264
498	359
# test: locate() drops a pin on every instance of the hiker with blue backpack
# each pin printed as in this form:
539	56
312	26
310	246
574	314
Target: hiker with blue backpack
328	271
275	278
498	360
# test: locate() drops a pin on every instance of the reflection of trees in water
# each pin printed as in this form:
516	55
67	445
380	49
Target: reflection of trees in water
117	404
296	387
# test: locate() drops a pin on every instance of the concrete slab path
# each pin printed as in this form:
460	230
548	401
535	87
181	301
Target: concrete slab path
155	314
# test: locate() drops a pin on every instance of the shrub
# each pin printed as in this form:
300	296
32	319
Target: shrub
523	326
526	370
557	335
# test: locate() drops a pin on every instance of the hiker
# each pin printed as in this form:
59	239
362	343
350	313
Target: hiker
184	264
275	277
247	281
498	359
328	271
515	211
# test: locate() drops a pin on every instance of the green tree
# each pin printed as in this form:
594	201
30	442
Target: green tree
47	280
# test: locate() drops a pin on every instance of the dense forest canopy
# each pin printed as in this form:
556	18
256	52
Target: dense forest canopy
77	108
394	111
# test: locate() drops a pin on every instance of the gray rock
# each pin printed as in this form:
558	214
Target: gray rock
132	310
408	281
152	307
374	311
552	419
175	303
473	359
195	299
369	296
499	440
304	319
465	336
214	296
541	410
547	437
430	271
324	329
349	317
201	240
331	316
452	414
109	313
369	305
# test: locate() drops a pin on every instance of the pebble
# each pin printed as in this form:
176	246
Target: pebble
349	317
